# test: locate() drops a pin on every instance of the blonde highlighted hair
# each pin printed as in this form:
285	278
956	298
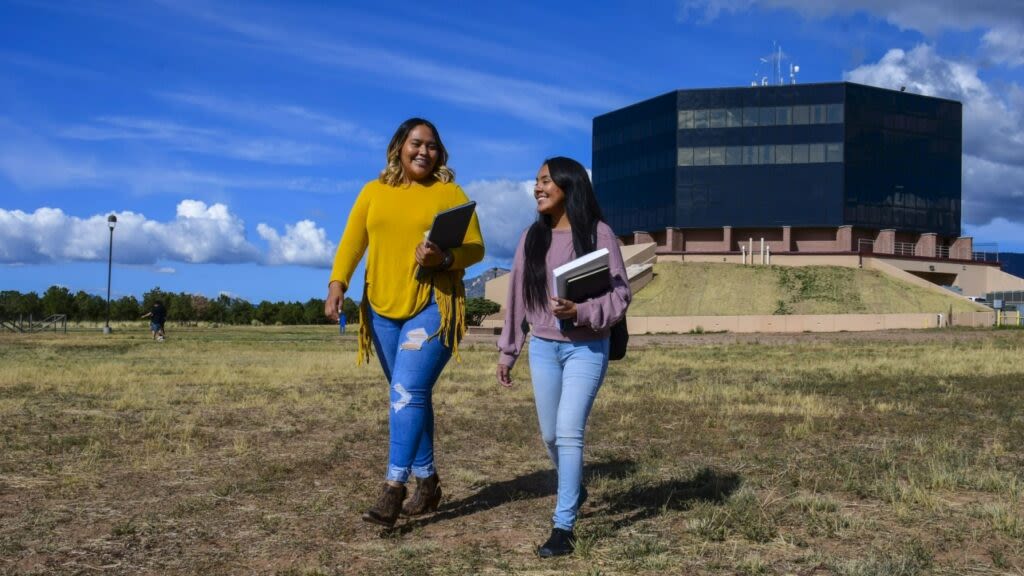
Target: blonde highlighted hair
394	175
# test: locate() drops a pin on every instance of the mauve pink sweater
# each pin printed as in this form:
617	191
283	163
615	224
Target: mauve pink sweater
594	318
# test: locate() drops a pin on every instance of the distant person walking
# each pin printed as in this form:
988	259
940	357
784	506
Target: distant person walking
157	317
414	325
341	323
569	340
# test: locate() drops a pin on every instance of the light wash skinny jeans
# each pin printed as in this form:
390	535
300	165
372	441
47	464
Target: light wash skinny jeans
411	375
566	377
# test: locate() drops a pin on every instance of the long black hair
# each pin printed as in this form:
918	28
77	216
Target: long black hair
584	214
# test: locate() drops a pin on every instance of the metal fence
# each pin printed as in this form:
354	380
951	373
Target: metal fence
904	249
23	325
1007	318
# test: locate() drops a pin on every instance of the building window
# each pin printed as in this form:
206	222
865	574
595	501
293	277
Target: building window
734	155
716	118
734	117
801	115
750	117
800	154
685	119
767	154
834	152
818	114
815	153
700	118
783	154
835	114
686	156
700	156
749	155
716	156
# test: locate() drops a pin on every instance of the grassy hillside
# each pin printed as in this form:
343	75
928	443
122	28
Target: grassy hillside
707	289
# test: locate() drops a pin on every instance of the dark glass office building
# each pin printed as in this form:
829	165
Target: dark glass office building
814	156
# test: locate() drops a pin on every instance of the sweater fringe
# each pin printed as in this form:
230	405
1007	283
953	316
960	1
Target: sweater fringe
450	296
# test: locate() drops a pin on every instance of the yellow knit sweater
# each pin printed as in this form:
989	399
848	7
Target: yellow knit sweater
391	221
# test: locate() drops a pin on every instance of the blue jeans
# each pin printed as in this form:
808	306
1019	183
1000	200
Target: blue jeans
411	364
566	377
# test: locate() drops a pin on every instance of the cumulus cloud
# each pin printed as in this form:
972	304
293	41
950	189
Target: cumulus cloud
1002	20
303	244
505	208
1011	234
993	125
198	234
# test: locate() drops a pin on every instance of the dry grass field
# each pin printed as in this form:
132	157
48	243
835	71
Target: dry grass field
254	450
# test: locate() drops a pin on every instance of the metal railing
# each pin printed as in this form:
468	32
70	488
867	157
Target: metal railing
865	246
22	325
1008	318
904	249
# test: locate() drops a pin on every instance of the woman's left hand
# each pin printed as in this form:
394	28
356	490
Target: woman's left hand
563	309
428	254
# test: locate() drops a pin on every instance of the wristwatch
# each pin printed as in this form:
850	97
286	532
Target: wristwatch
447	260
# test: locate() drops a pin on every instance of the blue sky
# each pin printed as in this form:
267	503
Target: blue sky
232	138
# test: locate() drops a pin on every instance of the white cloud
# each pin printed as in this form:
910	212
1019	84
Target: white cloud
505	208
1009	235
1003	20
993	125
199	233
303	244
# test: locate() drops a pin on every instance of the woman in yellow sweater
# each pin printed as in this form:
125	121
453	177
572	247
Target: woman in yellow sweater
414	325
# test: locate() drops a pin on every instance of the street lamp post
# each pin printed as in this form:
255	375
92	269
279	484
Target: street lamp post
111	222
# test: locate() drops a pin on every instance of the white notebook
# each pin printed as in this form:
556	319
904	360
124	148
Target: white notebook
582	265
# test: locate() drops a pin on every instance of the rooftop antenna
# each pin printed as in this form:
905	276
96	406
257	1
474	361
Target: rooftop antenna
774	61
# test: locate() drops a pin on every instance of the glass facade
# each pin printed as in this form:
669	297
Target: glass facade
799	155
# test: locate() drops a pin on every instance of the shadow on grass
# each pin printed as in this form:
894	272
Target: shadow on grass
646	501
533	485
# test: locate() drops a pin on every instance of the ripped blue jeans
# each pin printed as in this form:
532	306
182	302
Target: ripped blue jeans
412	364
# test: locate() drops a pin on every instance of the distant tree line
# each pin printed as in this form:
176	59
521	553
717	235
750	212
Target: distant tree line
181	307
185	308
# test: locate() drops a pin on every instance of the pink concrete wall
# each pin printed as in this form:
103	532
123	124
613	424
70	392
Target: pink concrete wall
704	240
795	323
814	239
772	239
926	244
885	241
962	248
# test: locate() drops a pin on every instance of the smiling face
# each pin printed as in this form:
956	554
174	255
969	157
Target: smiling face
419	153
550	198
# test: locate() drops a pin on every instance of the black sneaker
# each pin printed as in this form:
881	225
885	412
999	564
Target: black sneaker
560	543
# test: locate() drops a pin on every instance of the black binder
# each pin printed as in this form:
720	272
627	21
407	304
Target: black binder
448	231
588	285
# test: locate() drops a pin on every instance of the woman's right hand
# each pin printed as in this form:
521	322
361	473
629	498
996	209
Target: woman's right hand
335	298
504	375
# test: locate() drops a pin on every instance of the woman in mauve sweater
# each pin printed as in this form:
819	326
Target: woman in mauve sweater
414	325
569	340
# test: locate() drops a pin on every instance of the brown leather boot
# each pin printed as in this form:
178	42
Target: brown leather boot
426	497
388	505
